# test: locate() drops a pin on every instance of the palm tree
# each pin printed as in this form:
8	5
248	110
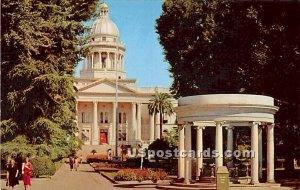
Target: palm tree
161	104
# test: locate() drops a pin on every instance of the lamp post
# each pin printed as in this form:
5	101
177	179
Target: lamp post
116	100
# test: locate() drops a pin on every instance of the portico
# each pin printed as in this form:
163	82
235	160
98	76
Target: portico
226	111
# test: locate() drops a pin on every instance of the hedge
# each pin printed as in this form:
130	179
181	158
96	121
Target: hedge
42	166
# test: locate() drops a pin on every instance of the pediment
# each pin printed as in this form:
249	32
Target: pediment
105	86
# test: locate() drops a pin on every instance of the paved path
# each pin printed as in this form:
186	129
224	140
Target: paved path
86	179
83	179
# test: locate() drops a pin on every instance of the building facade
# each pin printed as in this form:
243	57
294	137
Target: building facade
106	96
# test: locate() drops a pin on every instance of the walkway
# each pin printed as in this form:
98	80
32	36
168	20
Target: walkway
64	179
85	178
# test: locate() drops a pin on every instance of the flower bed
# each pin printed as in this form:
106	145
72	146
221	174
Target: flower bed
96	158
140	175
105	165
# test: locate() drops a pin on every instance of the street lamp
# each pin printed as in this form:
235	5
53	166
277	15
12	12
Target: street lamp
116	99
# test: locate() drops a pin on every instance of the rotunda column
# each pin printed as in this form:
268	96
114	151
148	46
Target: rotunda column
219	144
199	150
181	150
254	148
260	152
270	154
188	148
230	144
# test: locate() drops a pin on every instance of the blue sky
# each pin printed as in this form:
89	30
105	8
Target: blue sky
144	58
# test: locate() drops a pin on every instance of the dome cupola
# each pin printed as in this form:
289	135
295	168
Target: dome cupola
105	58
104	26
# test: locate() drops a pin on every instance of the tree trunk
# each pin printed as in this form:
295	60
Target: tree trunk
161	123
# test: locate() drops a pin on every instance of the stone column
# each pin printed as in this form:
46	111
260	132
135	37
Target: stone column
181	149
92	64
133	123
95	140
188	147
116	60
107	60
151	123
199	150
270	154
157	127
260	153
114	122
230	145
122	62
219	144
254	148
139	121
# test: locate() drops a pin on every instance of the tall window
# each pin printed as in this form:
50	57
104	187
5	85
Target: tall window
84	117
120	117
101	117
106	117
124	118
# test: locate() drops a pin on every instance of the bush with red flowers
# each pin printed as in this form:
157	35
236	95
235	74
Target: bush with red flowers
140	175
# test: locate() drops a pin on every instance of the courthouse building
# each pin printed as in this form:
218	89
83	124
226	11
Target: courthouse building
102	79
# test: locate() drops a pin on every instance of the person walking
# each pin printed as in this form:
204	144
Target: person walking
80	159
26	171
12	174
71	162
76	163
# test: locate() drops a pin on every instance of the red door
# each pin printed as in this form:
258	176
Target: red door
103	137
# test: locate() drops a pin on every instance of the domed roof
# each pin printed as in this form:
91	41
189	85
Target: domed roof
104	25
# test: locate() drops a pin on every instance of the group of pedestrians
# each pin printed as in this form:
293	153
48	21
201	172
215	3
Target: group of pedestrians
74	162
13	174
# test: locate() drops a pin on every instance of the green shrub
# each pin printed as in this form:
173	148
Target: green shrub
42	166
125	176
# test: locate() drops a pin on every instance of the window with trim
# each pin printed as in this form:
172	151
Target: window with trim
124	118
106	117
101	117
84	117
120	117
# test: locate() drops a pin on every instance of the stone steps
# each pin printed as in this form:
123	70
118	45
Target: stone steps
100	149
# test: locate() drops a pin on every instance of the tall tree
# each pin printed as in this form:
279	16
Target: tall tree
161	104
40	43
237	47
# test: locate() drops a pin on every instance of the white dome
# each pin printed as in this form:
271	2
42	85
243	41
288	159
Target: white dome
104	26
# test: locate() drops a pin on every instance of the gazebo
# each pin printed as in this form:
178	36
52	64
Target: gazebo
226	110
